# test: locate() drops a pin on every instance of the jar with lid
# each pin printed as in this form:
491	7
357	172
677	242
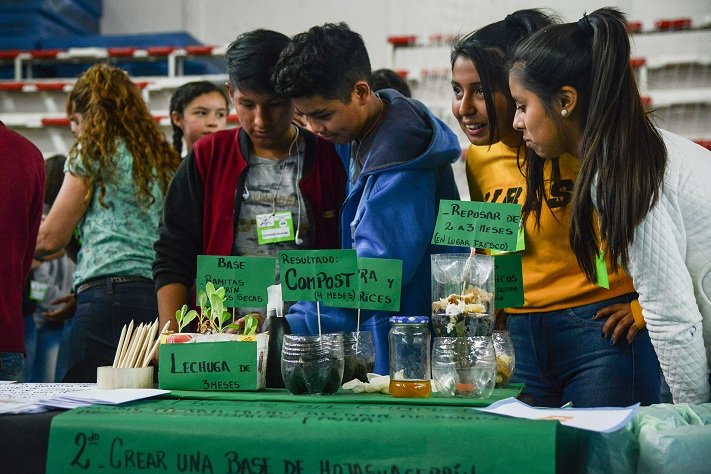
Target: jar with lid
409	340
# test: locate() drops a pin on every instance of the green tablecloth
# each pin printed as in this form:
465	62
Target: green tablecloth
347	396
260	432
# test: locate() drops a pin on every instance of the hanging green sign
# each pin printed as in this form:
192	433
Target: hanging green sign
245	279
380	283
482	225
327	276
509	280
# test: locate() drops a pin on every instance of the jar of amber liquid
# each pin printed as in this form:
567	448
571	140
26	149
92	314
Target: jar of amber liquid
409	340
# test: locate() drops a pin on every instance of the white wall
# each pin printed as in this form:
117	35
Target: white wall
218	22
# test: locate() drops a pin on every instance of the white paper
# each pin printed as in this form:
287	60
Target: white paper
603	420
38	397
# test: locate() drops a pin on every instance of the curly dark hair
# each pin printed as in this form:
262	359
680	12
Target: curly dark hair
325	61
113	110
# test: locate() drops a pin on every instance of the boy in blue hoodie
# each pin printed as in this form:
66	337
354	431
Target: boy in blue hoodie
399	158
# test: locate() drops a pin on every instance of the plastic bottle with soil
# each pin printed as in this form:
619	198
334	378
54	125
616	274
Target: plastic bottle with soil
277	325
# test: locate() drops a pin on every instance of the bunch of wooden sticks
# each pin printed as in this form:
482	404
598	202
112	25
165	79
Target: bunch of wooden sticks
137	347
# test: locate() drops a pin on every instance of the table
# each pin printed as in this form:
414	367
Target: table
264	433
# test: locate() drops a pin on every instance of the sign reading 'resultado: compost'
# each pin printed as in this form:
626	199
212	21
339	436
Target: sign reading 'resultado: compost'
326	276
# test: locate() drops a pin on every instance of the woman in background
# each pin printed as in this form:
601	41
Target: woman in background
560	354
197	108
641	192
116	176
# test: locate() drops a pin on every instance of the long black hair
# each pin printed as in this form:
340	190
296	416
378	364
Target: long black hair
490	47
180	99
622	155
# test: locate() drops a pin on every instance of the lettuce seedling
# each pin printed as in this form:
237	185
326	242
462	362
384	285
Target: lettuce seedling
184	317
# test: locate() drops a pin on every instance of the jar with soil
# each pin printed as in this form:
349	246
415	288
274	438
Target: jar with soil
312	364
358	355
462	295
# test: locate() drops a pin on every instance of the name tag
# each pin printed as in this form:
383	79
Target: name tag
275	227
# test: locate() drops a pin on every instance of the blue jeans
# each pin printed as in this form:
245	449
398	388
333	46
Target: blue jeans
12	366
91	337
562	356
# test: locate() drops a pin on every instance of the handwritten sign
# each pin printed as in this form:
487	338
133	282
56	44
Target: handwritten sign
328	276
380	283
229	437
482	225
214	366
245	279
509	280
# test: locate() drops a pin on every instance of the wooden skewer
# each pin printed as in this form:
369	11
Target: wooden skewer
137	346
149	356
120	346
123	362
126	343
151	353
144	345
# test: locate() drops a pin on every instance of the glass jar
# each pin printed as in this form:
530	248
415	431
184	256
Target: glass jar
409	340
358	355
464	366
462	295
312	364
505	357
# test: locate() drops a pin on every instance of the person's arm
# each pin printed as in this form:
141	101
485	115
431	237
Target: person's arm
179	241
623	320
171	297
70	205
666	294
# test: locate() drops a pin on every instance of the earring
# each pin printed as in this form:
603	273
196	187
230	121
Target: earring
564	113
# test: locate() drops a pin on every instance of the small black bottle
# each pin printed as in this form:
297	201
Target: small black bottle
277	325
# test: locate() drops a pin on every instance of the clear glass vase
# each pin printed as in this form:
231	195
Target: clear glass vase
462	295
312	364
358	355
464	366
505	357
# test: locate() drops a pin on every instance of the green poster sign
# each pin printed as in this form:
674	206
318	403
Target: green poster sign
298	437
509	280
482	225
380	283
327	276
214	366
245	279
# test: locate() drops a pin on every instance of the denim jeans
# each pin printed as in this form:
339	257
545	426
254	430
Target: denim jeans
562	356
91	337
12	366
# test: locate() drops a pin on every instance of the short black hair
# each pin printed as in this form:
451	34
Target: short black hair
389	79
54	171
251	58
325	61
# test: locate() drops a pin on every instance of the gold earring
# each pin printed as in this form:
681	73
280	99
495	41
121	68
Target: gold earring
564	113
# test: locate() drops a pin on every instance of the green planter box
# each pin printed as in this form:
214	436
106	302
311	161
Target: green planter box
213	366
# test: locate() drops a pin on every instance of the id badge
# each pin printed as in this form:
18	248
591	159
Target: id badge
275	227
38	290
